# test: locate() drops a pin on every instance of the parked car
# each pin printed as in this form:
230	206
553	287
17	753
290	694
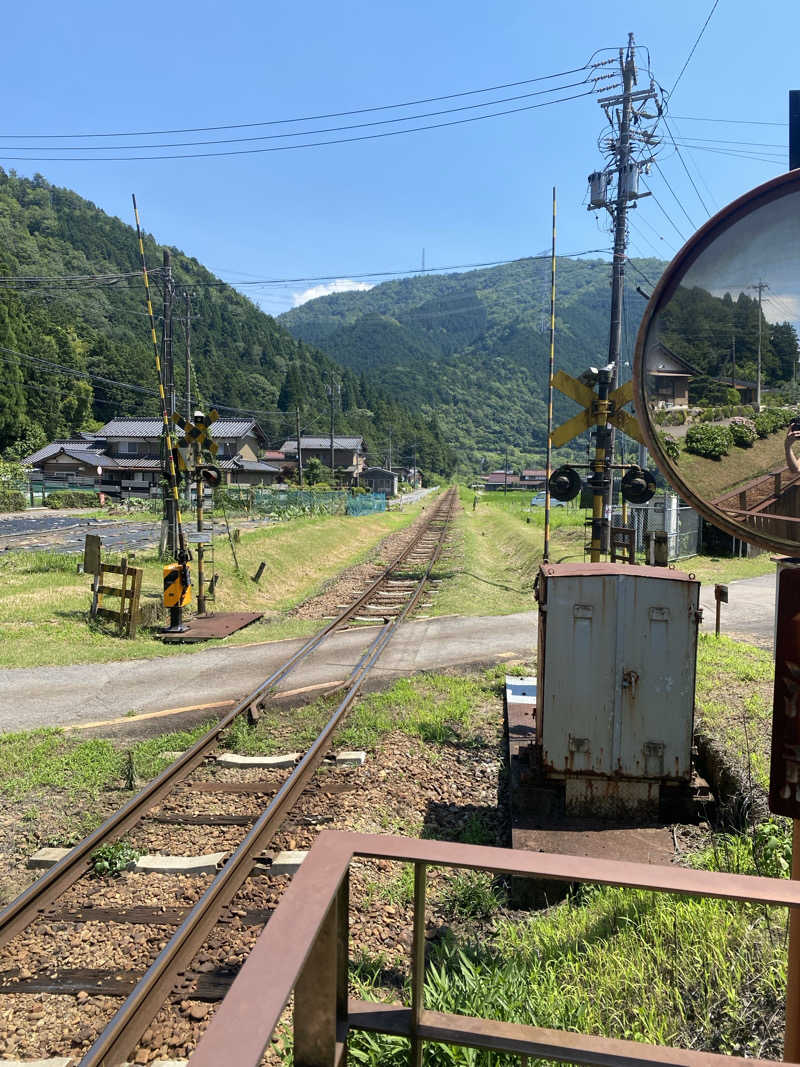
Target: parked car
538	501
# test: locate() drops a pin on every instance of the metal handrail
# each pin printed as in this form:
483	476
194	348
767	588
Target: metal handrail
304	950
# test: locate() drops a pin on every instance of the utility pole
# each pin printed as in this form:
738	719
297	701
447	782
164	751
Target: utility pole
733	359
332	387
389	464
631	135
299	448
760	286
188	356
505	472
549	454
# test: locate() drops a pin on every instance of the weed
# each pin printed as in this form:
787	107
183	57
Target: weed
471	894
476	831
113	859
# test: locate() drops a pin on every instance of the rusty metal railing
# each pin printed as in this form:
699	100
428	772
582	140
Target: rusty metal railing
304	950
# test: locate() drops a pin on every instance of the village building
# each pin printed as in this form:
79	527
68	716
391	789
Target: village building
379	480
124	456
349	455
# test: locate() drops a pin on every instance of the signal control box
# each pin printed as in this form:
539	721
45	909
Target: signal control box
615	687
177	586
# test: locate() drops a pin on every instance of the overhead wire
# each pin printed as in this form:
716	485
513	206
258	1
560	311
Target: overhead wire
304	118
664	212
300	133
293	147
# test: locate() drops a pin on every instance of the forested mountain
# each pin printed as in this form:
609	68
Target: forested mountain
474	347
72	311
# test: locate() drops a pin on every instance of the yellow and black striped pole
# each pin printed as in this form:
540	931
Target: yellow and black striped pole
600	476
182	554
548	463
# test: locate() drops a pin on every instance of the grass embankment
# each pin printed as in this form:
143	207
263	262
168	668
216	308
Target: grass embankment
699	973
712	478
44	603
496	552
497	549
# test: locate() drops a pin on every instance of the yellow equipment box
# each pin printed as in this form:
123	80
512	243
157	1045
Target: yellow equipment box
177	585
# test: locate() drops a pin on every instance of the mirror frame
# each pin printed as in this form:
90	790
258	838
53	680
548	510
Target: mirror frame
775	189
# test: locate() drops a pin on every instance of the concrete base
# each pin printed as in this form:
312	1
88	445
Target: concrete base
286	863
233	759
350	759
208	864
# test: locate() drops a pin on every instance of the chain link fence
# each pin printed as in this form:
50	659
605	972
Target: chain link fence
664	512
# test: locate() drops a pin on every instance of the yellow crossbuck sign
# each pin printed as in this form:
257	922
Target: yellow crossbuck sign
196	433
591	416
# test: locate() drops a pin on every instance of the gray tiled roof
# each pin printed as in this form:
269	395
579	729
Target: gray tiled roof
258	468
151	428
290	445
46	451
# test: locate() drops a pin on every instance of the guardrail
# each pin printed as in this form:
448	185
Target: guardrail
304	950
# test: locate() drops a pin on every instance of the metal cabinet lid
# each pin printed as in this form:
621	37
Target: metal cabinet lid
580	570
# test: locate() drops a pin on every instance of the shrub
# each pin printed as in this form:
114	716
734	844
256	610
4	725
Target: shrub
733	396
770	420
743	432
671	446
72	498
12	500
713	442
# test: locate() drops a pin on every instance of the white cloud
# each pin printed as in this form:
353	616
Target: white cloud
341	285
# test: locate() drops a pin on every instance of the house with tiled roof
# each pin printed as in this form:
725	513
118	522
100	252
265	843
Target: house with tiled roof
349	454
124	456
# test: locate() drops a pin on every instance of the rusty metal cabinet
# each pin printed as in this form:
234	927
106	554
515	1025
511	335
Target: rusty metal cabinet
616	681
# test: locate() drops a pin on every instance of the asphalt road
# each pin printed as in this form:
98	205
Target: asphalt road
61	696
749	614
85	693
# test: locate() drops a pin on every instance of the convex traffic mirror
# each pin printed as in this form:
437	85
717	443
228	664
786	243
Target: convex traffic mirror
716	370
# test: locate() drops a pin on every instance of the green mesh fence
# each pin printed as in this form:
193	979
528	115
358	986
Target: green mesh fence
284	503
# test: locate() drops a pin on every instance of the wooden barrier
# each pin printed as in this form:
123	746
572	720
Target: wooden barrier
126	615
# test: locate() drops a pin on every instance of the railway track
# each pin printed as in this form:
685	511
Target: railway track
167	951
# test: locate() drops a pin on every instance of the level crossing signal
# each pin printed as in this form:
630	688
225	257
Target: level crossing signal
592	414
197	433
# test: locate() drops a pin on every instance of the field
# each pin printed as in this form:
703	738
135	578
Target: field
44	602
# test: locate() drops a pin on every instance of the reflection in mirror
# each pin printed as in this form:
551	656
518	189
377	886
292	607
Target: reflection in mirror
720	373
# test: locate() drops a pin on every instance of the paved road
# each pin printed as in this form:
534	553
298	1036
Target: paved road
47	696
59	696
750	613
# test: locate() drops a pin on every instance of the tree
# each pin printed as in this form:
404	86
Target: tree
315	471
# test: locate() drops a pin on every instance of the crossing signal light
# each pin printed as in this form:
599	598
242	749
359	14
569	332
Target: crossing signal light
565	483
211	476
638	486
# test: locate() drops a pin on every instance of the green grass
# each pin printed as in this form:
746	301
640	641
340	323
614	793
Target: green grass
711	478
497	549
734	703
612	962
50	758
723	569
437	708
44	602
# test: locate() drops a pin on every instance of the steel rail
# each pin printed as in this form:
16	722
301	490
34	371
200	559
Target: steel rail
46	889
141	1006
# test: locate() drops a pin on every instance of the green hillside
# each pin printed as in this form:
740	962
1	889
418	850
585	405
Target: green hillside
473	347
72	305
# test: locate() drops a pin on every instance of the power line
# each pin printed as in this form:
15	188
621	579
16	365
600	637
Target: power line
664	211
683	164
42	282
732	122
307	144
675	195
304	118
299	133
693	48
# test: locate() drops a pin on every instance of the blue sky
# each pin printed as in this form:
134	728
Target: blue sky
470	193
